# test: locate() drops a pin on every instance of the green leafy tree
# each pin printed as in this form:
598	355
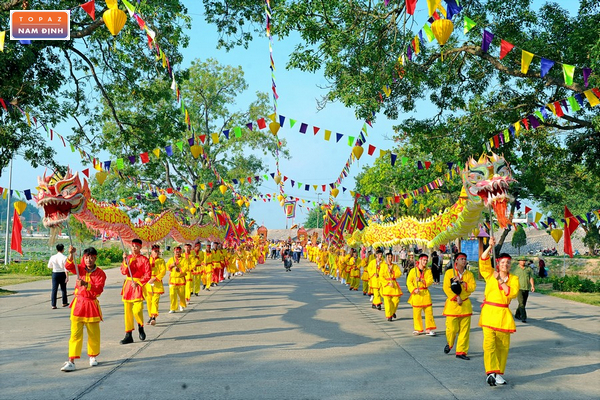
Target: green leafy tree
56	81
154	122
519	239
314	219
80	232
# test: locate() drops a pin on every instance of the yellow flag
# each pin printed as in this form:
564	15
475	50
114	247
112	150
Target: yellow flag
432	5
538	216
272	117
382	152
2	36
202	186
156	152
28	119
416	43
442	10
111	3
215	137
591	98
315	186
517	126
526	58
552	108
327	134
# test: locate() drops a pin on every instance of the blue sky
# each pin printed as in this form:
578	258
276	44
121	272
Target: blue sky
313	160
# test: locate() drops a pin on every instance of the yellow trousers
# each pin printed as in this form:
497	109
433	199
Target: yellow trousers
209	279
391	305
76	339
152	300
177	292
188	288
365	286
460	326
495	350
418	321
196	283
376	296
133	309
354	282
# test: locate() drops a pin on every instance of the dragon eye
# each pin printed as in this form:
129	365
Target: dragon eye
475	177
503	172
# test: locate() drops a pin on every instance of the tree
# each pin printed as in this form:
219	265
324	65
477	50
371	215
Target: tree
80	231
154	121
519	239
361	46
314	219
55	81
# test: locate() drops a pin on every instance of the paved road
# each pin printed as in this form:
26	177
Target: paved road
298	335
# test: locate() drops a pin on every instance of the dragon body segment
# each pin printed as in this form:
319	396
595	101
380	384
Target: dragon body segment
485	184
62	196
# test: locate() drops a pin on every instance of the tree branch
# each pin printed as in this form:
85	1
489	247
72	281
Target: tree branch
100	86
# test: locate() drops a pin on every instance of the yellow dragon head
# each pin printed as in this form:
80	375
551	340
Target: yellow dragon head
486	180
60	196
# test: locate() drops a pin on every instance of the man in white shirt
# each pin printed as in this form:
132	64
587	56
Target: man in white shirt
59	275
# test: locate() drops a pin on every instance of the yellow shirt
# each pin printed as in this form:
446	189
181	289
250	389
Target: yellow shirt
374	270
176	278
495	313
451	308
159	270
423	298
387	280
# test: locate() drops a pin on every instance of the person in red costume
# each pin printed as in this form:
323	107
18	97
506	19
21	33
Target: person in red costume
137	270
85	308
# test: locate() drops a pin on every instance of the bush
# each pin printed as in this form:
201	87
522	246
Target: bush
574	284
37	268
109	255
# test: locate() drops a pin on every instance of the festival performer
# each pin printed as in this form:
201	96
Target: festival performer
342	262
136	268
496	320
177	280
418	281
390	290
85	308
365	274
189	263
354	265
231	263
374	270
154	287
208	267
459	283
217	264
198	268
332	260
526	285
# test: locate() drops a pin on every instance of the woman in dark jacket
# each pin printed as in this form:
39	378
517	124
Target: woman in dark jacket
435	267
286	257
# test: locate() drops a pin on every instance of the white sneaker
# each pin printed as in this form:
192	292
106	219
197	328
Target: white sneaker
371	298
431	333
180	308
93	362
500	380
68	367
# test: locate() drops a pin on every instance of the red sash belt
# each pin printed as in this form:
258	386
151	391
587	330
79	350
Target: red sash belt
494	304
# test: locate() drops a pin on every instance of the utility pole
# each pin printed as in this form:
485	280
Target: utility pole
6	248
318	209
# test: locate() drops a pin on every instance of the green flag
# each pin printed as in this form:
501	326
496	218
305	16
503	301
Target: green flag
568	71
428	32
180	145
469	24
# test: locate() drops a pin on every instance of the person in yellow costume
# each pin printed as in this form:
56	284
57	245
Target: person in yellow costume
374	270
342	262
354	265
459	283
496	320
209	257
332	260
390	290
231	263
198	268
154	287
189	260
365	274
177	280
418	281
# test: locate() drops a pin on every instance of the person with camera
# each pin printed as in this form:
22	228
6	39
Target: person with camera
459	284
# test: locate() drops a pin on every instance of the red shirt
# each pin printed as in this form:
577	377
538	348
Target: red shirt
85	307
141	273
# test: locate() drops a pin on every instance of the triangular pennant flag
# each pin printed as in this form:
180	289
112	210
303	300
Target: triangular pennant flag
86	172
315	130
505	48
428	32
156	152
545	66
90	8
179	145
292	122
526	58
469	24
215	137
338	136
568	72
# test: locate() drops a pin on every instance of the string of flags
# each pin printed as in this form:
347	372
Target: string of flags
532	121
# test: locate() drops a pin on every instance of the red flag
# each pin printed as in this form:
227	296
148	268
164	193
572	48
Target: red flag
505	48
15	242
527	210
410	6
90	8
86	172
571	225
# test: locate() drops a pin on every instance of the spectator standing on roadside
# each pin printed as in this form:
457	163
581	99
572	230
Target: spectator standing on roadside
60	276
